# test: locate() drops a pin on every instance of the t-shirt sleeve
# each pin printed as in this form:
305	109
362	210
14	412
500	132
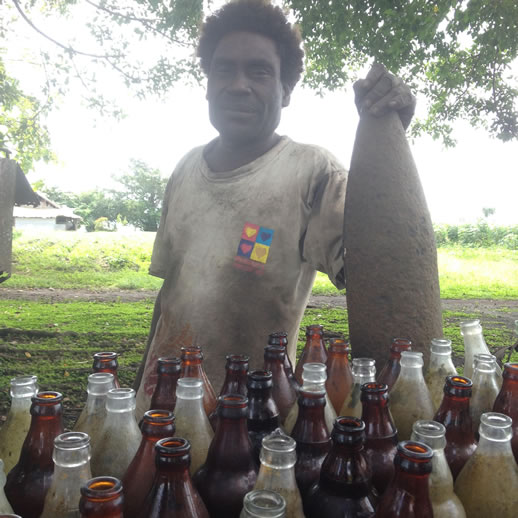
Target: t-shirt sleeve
323	244
161	247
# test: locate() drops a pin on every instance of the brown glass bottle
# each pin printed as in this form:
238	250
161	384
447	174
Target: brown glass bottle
28	482
138	479
312	437
454	415
381	434
101	497
507	401
236	370
339	374
344	489
172	491
107	362
314	351
390	371
283	392
192	367
164	395
408	495
281	338
263	414
230	470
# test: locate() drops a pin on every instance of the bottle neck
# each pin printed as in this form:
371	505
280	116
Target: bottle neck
414	484
310	426
21	403
235	383
377	418
95	403
230	441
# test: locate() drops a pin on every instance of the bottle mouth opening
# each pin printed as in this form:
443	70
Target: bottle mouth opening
159	417
173	446
260	375
106	356
232	401
460	382
349	424
374	388
277	442
415	450
169	360
412	359
496	427
121	393
401	344
48	397
102	488
193	351
314	329
71	441
363	362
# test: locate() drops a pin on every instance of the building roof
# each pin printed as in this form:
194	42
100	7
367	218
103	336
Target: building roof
31	212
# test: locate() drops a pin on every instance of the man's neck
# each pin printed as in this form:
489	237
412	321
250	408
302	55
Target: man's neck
226	156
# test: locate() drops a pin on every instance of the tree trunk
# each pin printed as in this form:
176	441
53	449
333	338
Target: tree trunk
391	255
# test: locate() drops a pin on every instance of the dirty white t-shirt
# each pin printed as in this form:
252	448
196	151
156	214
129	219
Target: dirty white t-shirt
239	251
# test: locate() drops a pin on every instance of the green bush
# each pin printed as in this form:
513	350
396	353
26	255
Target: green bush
477	235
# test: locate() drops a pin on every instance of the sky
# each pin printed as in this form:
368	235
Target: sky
479	172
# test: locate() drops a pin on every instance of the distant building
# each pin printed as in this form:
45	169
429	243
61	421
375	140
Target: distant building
48	215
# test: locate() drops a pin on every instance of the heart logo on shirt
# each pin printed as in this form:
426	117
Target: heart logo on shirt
265	236
250	231
245	248
259	252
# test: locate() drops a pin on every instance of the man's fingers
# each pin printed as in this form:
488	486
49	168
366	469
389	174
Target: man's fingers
362	86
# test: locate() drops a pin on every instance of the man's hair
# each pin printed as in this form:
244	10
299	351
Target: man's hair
260	17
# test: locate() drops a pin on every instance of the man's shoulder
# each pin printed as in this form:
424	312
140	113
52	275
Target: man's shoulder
313	154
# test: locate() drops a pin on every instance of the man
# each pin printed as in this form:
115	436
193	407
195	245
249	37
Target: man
249	218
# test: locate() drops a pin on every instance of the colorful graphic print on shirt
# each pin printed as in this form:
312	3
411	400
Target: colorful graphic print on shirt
253	248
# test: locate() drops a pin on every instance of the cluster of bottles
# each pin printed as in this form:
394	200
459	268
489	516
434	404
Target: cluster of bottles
271	445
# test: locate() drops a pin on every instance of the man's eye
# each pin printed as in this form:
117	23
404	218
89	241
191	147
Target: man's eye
260	72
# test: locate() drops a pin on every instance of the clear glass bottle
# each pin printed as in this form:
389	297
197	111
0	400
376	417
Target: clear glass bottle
120	435
474	343
440	366
192	422
5	506
507	401
409	397
277	471
138	479
71	470
364	371
339	374
101	497
408	494
172	492
92	417
445	502
344	488
381	437
28	482
485	388
313	376
16	427
314	350
164	395
107	362
488	483
263	504
390	371
281	339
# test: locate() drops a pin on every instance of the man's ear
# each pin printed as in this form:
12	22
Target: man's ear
286	96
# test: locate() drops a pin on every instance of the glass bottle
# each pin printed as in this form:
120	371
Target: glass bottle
29	481
409	397
312	437
485	388
101	497
263	414
454	415
263	504
120	435
236	370
92	417
314	351
281	338
277	471
408	494
283	392
344	489
164	395
192	422
172	492
488	483
489	358
138	479
71	470
507	401
107	362
339	374
474	343
18	422
5	506
313	375
390	371
445	502
364	371
192	367
230	470
440	366
381	437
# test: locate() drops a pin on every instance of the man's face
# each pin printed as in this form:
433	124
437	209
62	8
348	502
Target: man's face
244	87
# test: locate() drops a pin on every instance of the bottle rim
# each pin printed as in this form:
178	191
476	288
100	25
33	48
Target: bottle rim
429	432
48	397
106	356
496	427
172	447
260	501
348	424
102	489
70	441
374	388
415	450
400	344
279	442
159	417
232	401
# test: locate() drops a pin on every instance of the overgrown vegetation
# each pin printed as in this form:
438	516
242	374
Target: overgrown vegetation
478	235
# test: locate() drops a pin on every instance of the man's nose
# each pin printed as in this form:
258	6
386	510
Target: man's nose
239	83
